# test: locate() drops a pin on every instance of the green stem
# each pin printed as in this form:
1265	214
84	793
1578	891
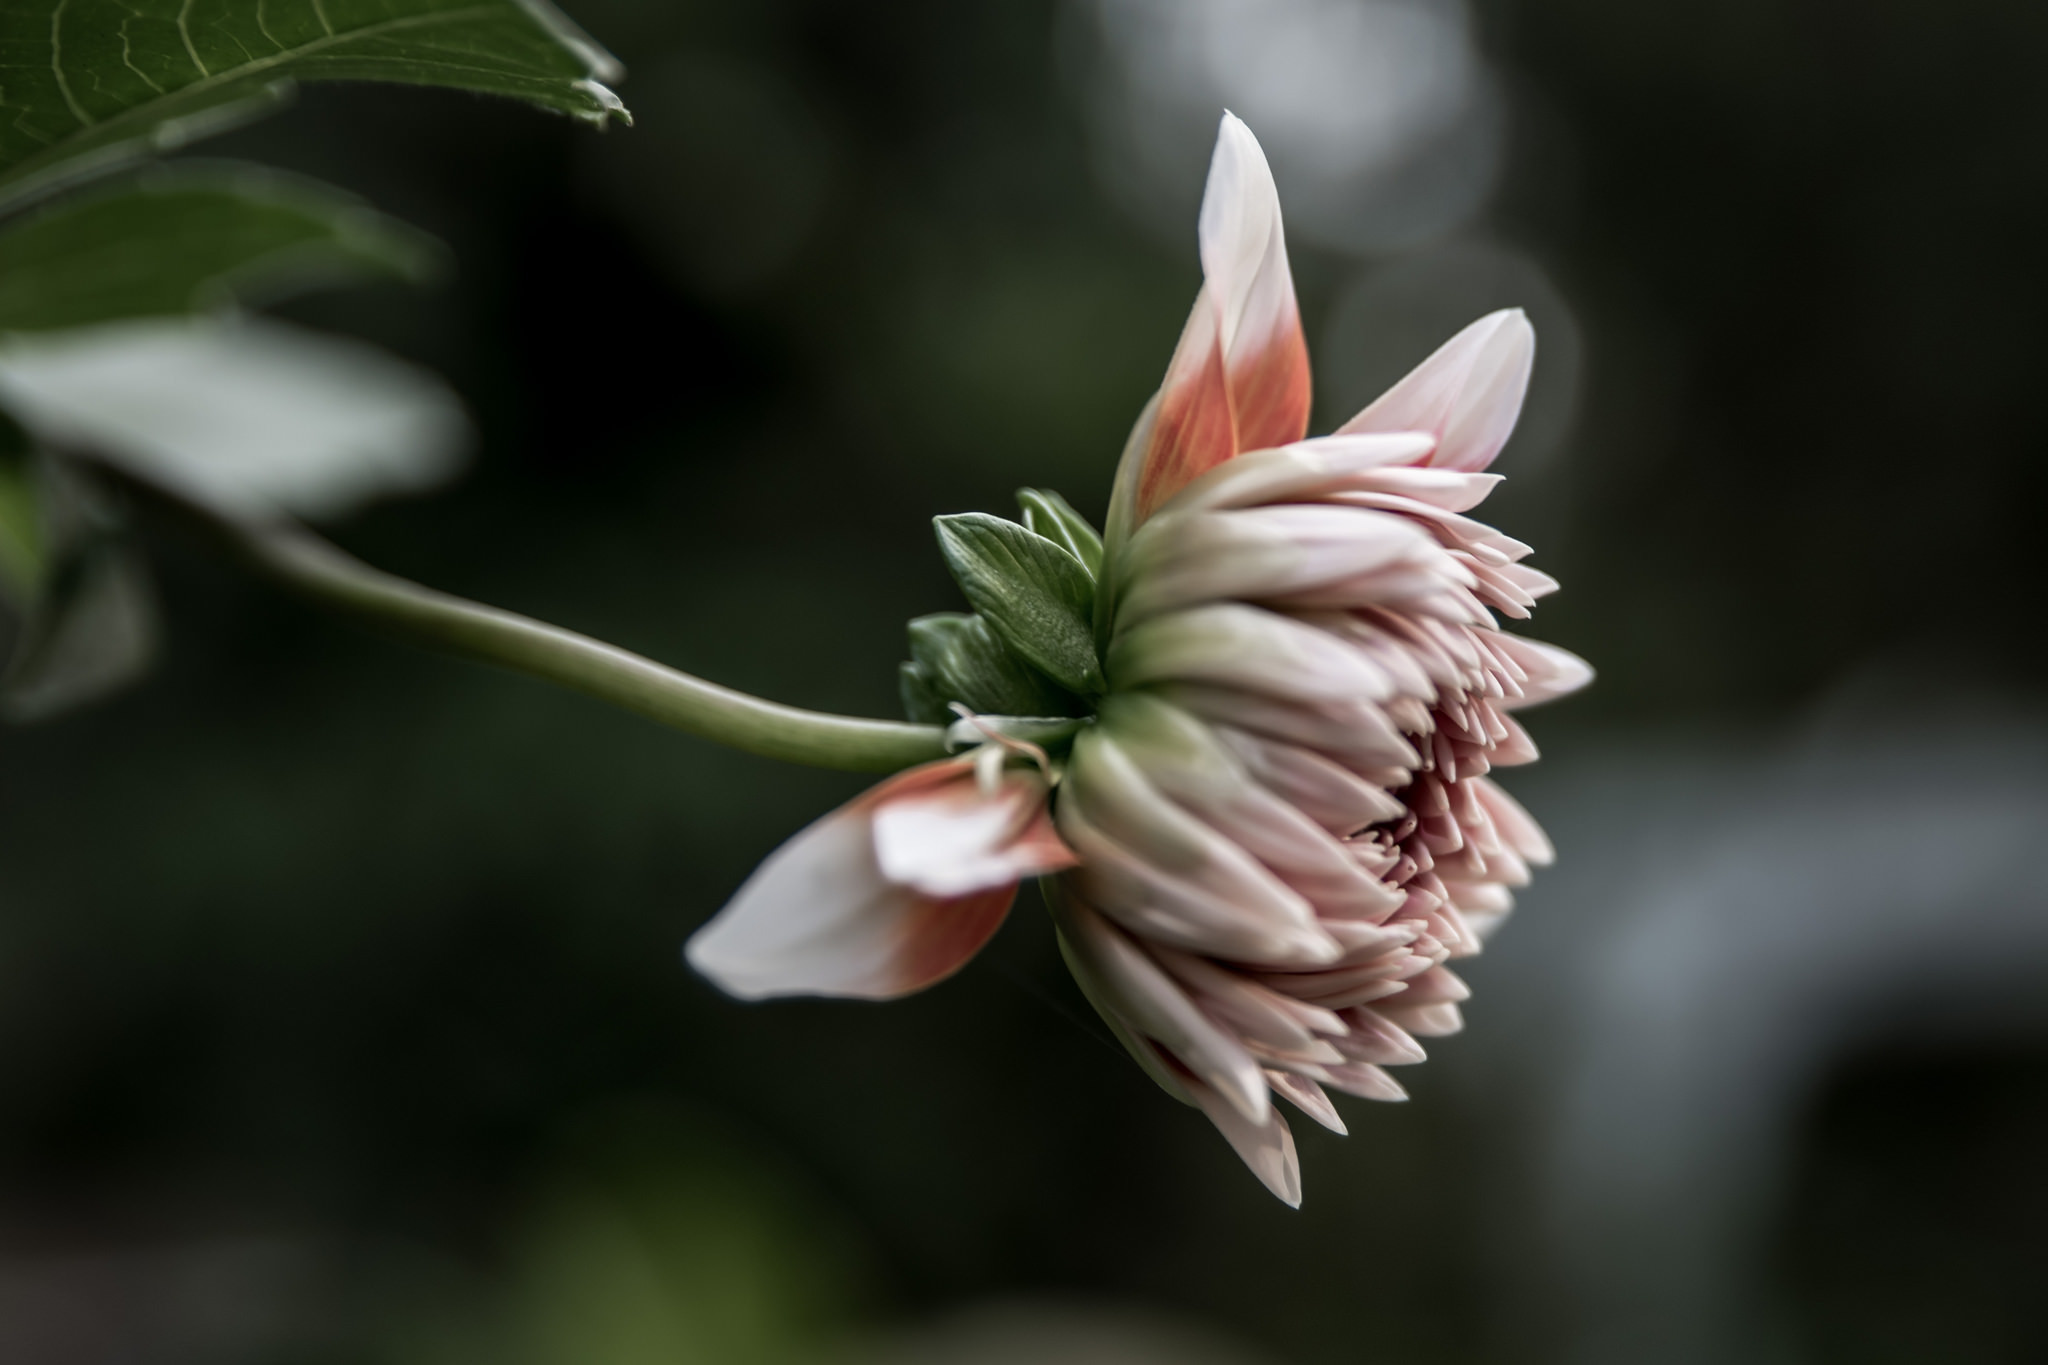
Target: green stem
293	557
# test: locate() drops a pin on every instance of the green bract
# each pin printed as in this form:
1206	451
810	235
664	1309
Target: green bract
1028	648
1037	596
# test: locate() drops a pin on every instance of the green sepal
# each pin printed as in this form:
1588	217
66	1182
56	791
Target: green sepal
1049	515
191	238
924	696
957	657
1035	594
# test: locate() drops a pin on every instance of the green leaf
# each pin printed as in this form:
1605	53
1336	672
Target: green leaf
188	238
1039	598
957	657
1048	514
92	82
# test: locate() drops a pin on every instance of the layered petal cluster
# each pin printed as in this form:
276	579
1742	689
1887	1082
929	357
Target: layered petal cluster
1278	827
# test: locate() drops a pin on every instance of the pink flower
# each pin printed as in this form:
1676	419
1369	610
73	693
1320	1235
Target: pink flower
1276	827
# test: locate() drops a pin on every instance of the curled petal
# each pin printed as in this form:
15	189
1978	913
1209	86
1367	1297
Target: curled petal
1467	395
954	837
825	916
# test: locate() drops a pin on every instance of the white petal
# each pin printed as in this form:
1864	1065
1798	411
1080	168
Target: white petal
1307	1097
1186	558
1549	671
818	918
1467	395
952	839
1356	734
1230	644
1302	471
1244	251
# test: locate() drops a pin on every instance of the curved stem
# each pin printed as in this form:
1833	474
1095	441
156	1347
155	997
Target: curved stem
292	556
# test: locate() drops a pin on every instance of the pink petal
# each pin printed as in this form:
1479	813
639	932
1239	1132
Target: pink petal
1468	394
1308	1097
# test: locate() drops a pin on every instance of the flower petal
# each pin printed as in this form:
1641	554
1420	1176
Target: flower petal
954	838
1239	378
1244	260
1468	394
822	916
1137	991
1268	1147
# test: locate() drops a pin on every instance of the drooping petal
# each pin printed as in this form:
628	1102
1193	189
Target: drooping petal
824	916
1468	394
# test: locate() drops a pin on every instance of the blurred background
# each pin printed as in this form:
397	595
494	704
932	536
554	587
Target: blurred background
342	1020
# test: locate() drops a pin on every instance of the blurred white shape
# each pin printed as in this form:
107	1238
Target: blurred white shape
1381	118
1386	317
249	415
1024	1332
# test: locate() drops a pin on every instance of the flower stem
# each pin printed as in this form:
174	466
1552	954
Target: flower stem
292	556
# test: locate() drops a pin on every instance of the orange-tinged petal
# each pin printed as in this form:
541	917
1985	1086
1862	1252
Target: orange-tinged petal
890	893
1239	379
1193	431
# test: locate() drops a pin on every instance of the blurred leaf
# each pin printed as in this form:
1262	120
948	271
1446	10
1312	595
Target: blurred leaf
84	619
182	239
250	415
1036	596
957	657
1049	515
91	82
21	531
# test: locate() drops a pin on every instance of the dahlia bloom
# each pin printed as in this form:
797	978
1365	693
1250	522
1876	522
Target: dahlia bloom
1268	699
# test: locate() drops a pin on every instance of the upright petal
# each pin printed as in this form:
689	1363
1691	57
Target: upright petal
890	893
1239	379
1244	260
1467	395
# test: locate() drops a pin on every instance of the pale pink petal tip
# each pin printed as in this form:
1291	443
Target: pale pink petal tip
1467	395
828	914
1267	1148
